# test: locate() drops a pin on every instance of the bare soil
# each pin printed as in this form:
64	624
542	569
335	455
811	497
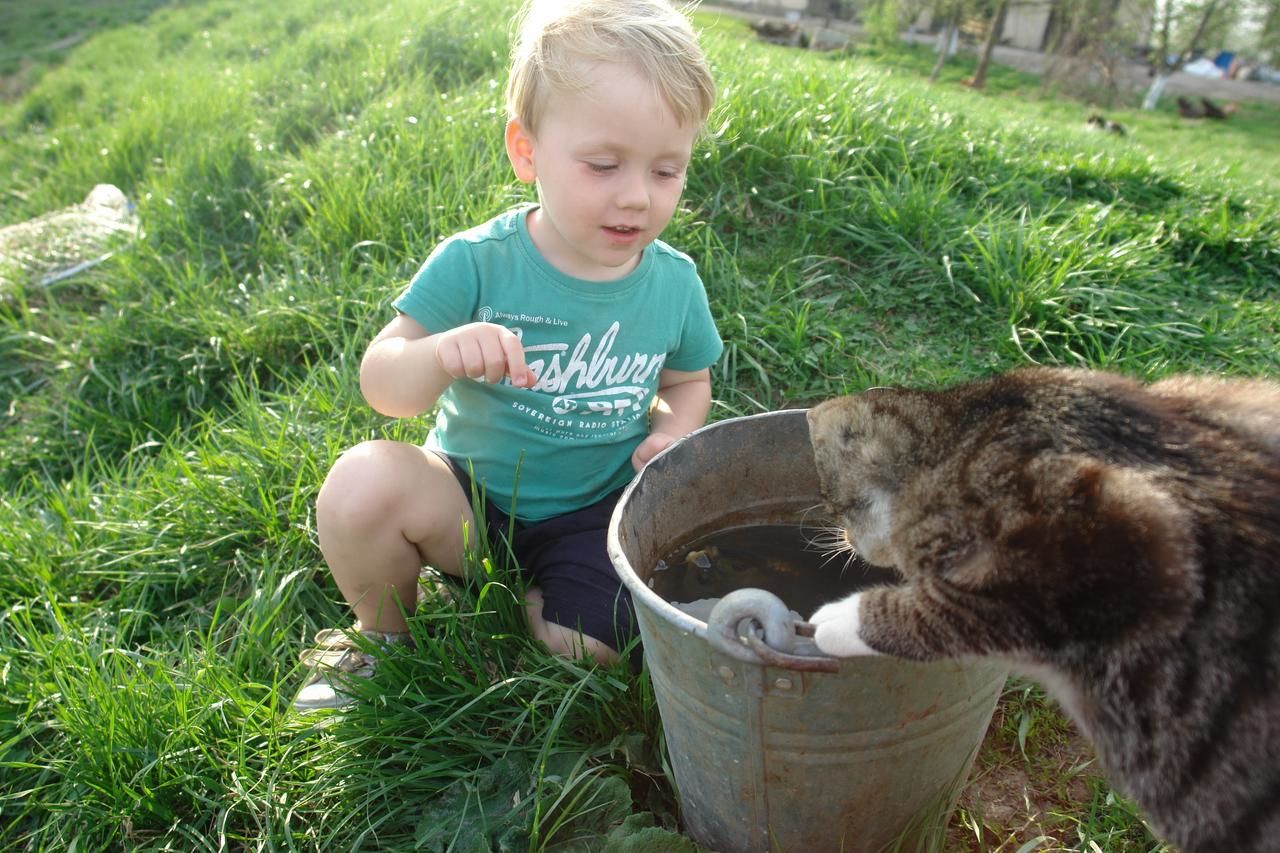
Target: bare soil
1018	793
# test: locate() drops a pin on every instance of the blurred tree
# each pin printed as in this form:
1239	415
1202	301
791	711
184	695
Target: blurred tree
953	14
1088	41
1270	39
1265	15
1179	30
949	13
995	27
1271	27
880	20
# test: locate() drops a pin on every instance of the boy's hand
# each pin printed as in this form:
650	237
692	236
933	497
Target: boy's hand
649	448
483	352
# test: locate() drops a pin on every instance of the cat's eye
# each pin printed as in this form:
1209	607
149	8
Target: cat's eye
857	503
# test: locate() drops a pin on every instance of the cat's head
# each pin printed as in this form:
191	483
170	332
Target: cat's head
866	447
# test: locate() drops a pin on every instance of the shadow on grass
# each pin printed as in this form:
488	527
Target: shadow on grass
42	34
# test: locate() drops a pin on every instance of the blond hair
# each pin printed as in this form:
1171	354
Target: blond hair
557	36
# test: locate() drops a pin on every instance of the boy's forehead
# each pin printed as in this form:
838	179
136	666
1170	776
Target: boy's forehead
613	97
595	79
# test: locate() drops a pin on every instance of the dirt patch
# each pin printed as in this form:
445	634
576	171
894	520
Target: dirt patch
1033	778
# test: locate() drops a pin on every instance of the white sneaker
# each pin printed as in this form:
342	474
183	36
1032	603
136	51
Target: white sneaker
433	589
336	659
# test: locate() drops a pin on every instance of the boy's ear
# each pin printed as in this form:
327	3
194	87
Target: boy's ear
520	151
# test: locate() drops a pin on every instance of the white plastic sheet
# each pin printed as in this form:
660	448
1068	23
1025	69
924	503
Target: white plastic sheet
59	244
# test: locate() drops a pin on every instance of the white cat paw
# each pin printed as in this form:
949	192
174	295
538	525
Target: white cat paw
837	629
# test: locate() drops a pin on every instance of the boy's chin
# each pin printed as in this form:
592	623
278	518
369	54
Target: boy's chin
609	266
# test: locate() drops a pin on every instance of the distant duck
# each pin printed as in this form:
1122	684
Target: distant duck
1205	109
778	32
1212	110
1099	122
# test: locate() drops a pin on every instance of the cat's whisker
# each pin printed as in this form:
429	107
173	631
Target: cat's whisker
832	541
827	537
851	559
804	514
826	541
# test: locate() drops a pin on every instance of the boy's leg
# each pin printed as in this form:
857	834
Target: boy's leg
576	601
559	639
385	509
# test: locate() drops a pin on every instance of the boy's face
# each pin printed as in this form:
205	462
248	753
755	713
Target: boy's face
609	163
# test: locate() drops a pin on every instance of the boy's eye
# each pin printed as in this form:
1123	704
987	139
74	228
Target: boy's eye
601	167
667	173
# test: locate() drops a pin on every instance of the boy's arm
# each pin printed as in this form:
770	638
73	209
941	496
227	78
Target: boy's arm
680	406
406	368
400	375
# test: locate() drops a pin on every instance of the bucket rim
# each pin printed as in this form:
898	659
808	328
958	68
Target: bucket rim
622	565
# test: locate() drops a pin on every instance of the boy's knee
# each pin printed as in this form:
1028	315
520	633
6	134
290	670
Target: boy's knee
355	492
568	643
579	646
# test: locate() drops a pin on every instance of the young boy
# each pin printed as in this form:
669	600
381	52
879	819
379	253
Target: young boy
565	345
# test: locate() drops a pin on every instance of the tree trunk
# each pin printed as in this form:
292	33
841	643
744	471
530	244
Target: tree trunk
994	31
945	46
1204	25
1158	82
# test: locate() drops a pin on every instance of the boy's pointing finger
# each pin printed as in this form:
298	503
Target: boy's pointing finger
517	368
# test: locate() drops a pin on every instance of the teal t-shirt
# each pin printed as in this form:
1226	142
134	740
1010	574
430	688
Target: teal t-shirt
596	350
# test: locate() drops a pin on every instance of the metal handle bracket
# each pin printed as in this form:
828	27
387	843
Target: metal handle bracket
754	626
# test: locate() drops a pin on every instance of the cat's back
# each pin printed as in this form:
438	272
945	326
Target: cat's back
1208	425
1247	407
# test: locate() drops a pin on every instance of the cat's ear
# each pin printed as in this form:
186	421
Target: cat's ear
1130	546
836	423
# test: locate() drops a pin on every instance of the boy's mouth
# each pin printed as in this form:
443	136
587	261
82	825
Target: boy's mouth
621	229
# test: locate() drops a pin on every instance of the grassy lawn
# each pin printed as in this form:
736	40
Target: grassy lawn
166	417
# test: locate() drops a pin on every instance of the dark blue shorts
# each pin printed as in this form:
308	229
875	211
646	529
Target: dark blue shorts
567	558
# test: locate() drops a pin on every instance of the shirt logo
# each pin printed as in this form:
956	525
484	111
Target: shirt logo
593	380
599	402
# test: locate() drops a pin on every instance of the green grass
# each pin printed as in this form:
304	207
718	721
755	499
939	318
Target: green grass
167	417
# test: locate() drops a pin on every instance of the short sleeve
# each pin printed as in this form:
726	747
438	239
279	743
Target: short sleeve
700	344
443	293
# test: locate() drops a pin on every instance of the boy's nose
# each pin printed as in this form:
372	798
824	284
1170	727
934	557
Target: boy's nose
634	193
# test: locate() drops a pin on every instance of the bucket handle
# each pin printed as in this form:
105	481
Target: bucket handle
754	626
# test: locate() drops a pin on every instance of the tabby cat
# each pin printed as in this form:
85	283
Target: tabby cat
1118	542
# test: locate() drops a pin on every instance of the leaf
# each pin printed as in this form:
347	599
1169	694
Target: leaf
637	834
1024	728
480	814
1035	843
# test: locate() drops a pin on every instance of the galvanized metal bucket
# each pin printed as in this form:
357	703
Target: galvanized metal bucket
775	747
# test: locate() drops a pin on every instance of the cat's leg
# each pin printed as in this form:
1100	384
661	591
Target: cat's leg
920	622
837	628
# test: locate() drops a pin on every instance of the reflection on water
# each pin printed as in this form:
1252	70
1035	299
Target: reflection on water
780	558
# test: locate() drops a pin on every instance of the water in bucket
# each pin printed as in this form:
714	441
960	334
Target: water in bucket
787	560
